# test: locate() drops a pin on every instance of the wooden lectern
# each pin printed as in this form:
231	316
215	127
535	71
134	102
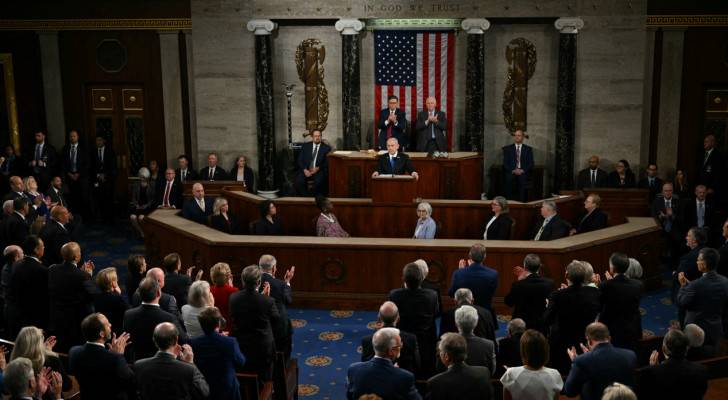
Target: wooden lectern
393	189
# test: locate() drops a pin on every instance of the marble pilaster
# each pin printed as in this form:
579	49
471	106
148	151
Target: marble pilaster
172	95
472	138
52	88
350	81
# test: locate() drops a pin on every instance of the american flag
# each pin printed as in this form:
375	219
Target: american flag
414	66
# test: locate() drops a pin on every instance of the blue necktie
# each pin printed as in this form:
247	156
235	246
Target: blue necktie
391	163
432	127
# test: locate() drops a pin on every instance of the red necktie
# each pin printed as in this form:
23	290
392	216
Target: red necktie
389	128
165	199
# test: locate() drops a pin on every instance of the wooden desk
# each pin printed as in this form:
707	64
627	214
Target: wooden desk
394	189
212	188
460	176
619	203
357	273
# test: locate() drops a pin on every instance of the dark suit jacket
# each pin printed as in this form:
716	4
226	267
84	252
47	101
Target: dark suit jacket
167	302
402	165
193	212
254	318
140	322
658	206
306	155
15	229
218	357
424	132
58	197
113	306
613	180
500	229
409	355
461	382
583	181
107	167
484	328
673	379
101	374
509	353
593	221
191	175
620	299
220	174
710	171
509	158
163	377
70	293
704	300
82	160
690	214
13	166
48	154
175	194
418	309
480	279
379	376
655	188
481	353
689	264
247	175
229	225
177	285
398	131
593	371
54	237
555	229
27	296
281	293
528	299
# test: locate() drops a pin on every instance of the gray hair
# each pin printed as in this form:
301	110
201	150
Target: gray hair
8	206
454	345
635	269
199	294
423	267
576	272
425	206
384	339
550	204
695	335
144	173
502	202
464	295
267	262
532	263
466	318
516	326
219	202
250	276
618	391
588	272
17	374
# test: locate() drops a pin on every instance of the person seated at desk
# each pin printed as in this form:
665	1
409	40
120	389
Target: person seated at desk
142	200
622	177
269	223
242	173
499	226
594	218
327	225
394	162
212	172
550	226
221	219
313	166
426	227
198	208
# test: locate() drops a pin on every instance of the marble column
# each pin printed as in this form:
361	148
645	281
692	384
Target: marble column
262	29
350	85
566	104
52	88
668	123
472	137
192	103
172	95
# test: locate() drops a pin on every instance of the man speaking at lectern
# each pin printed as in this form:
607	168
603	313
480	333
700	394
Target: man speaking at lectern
393	162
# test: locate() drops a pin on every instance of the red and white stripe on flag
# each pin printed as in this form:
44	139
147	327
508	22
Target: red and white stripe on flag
435	77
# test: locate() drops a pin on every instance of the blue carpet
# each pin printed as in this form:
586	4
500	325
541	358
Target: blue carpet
325	342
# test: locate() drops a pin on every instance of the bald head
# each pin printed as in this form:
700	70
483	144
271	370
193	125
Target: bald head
71	252
157	274
8	207
13	253
165	336
198	191
389	314
431	103
16	184
60	214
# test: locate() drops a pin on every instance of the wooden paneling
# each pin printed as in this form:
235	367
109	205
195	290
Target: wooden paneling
212	189
358	273
619	203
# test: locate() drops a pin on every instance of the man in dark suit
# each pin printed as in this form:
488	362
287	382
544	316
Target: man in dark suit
699	212
23	383
280	291
70	294
393	162
101	373
481	352
711	166
418	308
392	123
56	193
480	279
103	179
26	298
509	347
676	377
313	166
666	210
723	250
170	373
12	164
254	320
198	208
517	166
620	299
704	299
217	356
177	284
529	293
140	321
184	172
550	226
55	234
651	181
43	163
601	365
167	302
212	172
169	191
594	218
486	322
431	128
409	355
379	375
75	166
15	226
460	381
592	177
